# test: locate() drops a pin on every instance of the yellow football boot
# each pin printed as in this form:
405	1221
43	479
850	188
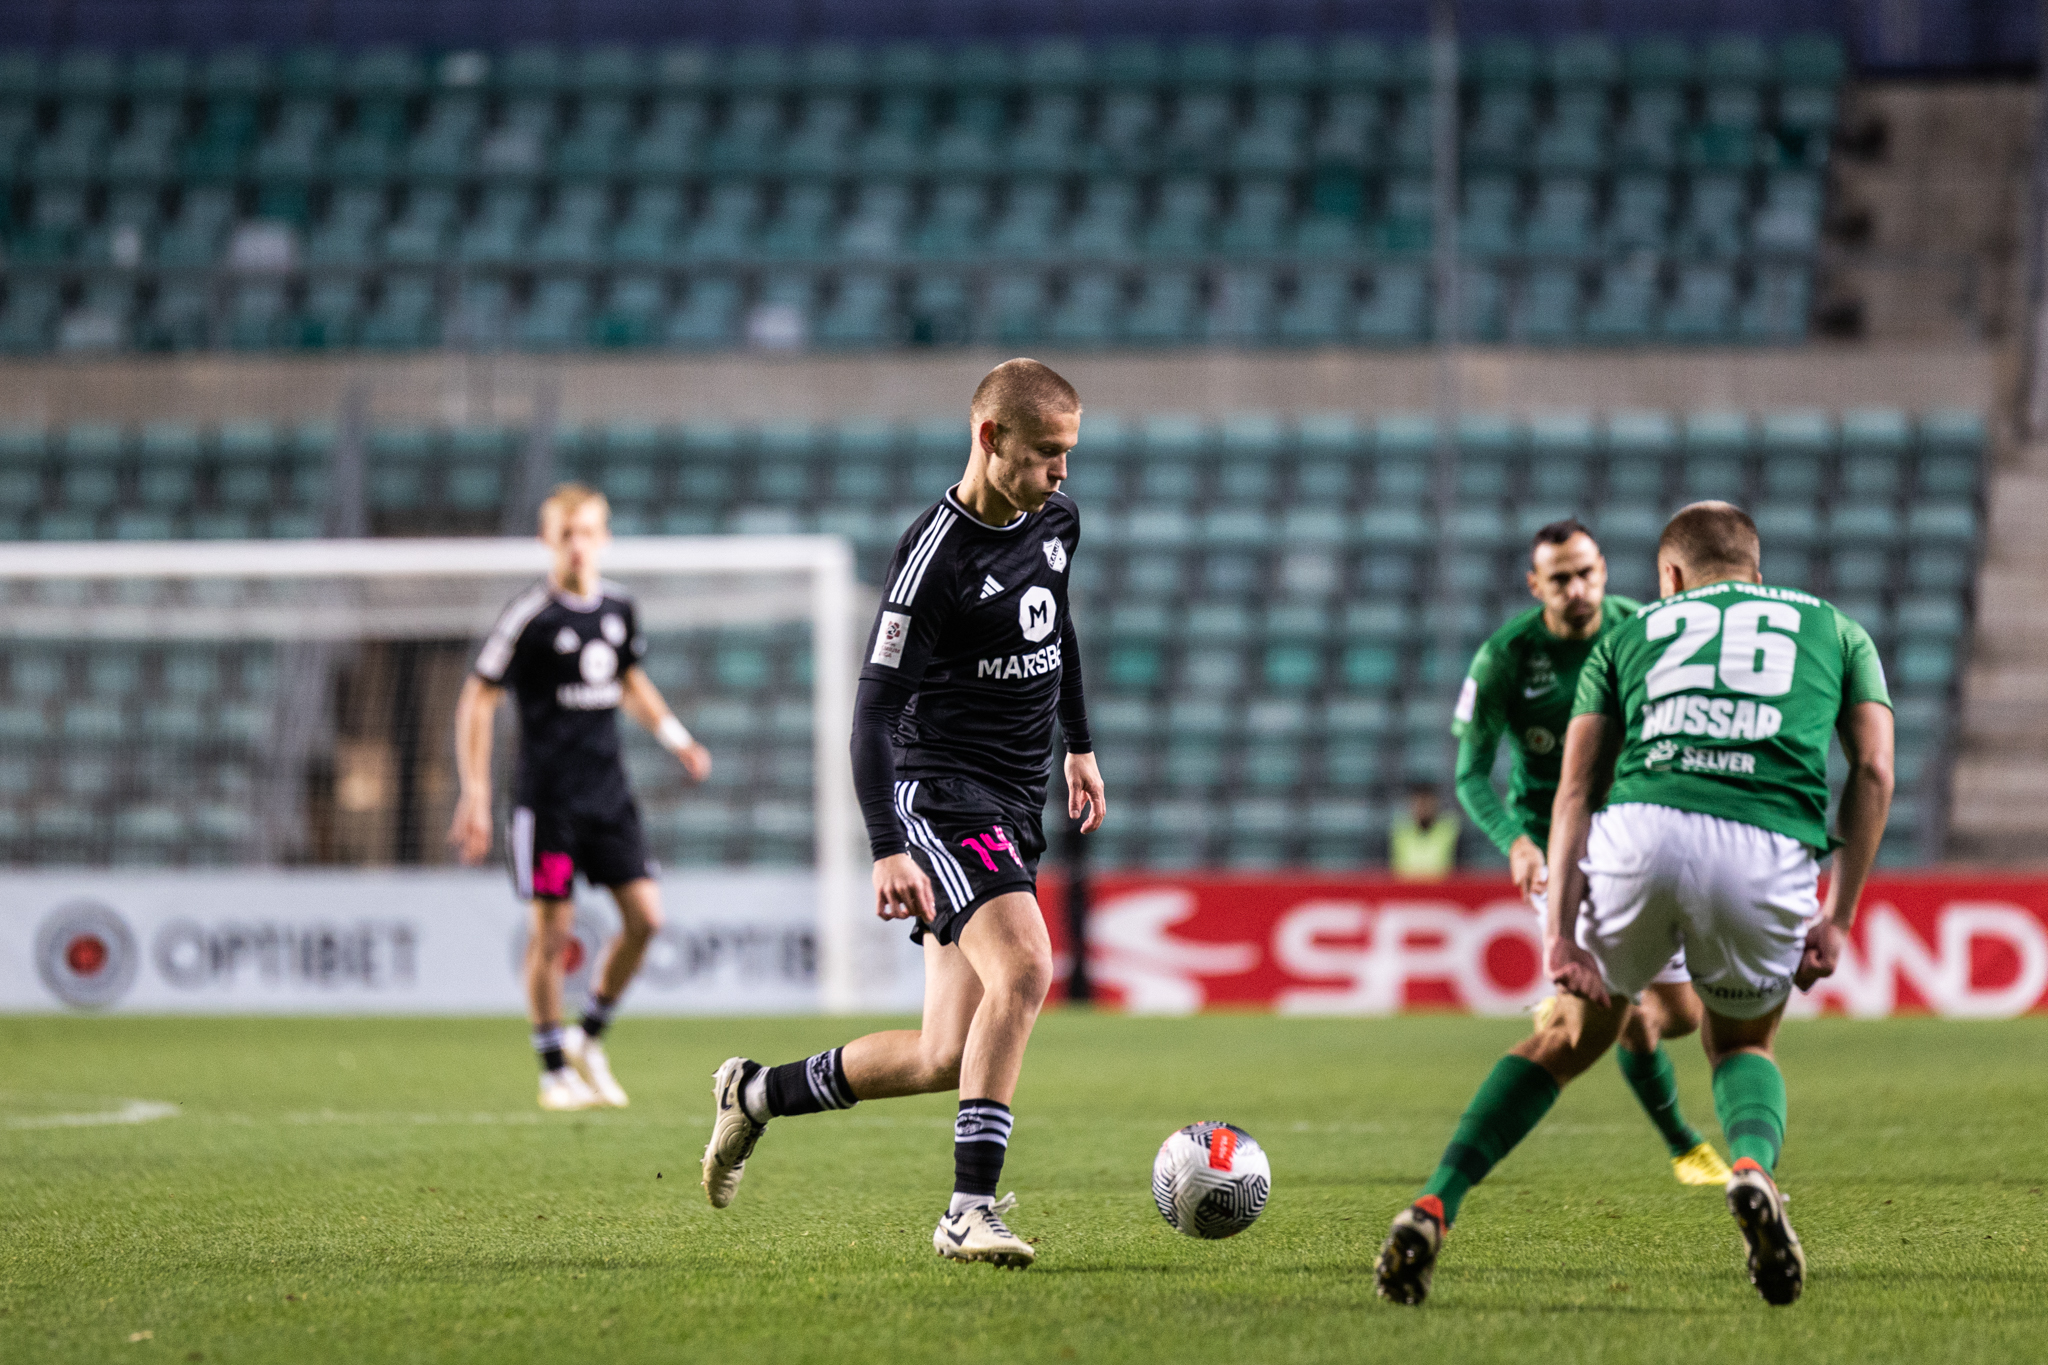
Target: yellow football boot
1701	1166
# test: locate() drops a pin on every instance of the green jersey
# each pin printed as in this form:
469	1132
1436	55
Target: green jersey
1727	697
1522	684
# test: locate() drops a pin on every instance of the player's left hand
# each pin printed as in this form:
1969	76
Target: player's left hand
1574	971
1084	791
1528	868
1823	950
696	760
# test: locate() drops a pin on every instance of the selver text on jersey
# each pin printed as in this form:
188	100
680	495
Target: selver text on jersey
1728	696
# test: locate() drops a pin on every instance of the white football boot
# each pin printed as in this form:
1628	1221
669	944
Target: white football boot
586	1054
563	1091
733	1135
979	1234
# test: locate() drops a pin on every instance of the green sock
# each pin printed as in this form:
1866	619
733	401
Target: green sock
1516	1095
1749	1099
1652	1077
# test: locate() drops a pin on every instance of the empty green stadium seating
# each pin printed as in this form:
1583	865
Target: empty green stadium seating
1309	162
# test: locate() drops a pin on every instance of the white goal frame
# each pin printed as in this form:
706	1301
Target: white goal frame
827	561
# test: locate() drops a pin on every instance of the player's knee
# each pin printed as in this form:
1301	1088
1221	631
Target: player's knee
641	924
1682	1022
1030	977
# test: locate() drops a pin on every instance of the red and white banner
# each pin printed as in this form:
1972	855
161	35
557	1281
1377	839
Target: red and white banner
1958	946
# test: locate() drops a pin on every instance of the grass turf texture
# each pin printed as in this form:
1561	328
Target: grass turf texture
385	1190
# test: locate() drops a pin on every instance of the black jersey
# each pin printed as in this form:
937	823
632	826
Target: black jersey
563	657
974	622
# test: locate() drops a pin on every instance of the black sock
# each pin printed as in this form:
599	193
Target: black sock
597	1015
981	1138
548	1043
806	1087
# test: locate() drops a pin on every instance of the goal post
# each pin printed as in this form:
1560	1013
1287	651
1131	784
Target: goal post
278	617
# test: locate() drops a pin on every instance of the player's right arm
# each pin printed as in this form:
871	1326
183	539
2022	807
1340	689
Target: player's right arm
1592	742
475	714
899	649
1479	721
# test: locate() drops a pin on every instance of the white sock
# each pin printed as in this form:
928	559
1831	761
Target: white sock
963	1202
754	1096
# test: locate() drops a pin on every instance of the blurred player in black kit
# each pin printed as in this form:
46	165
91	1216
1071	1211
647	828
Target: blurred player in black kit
569	649
972	660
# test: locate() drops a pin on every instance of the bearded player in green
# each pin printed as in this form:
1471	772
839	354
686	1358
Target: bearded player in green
1704	723
1522	685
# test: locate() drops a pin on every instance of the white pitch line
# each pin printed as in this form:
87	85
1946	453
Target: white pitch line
132	1111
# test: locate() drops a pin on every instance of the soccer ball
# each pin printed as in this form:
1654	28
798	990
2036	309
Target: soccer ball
1211	1180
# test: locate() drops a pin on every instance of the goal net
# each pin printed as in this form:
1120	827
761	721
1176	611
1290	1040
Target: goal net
193	708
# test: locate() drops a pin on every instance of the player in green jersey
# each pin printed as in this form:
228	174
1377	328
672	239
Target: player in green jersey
1704	723
1522	685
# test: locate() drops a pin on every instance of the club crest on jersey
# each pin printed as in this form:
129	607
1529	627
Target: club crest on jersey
599	663
567	641
1056	554
1037	612
614	629
1539	740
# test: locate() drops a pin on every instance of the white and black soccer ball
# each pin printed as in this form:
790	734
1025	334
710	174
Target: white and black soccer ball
1211	1180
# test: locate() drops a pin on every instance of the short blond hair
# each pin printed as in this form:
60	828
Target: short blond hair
567	500
1019	389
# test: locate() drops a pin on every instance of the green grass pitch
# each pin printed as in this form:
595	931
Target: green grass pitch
385	1190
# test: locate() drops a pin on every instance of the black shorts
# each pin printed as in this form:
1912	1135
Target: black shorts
973	846
549	845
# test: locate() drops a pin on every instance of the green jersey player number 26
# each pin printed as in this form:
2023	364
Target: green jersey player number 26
1707	718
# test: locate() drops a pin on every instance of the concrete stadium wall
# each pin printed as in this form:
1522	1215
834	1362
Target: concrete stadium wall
751	388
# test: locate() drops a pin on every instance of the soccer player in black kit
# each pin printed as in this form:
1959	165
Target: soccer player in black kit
972	659
570	650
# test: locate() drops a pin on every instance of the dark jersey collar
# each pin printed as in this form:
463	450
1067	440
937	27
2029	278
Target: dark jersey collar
978	524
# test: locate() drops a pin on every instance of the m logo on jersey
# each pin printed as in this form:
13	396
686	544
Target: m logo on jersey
1037	612
567	641
614	629
1055	555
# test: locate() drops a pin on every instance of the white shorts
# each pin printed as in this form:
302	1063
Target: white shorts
1672	973
1736	899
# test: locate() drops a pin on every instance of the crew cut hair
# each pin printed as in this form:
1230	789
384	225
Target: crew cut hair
1711	535
1557	533
1022	388
567	500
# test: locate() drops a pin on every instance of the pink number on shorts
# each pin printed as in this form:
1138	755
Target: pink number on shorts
553	875
998	841
971	842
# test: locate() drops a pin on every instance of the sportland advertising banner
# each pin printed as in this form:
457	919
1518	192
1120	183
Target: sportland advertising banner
452	942
1966	947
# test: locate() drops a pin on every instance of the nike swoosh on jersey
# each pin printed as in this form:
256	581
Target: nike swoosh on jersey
1534	692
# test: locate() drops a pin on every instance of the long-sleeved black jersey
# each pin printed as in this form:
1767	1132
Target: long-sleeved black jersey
972	657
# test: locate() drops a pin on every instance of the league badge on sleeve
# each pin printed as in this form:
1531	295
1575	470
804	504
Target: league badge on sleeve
890	639
1056	554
